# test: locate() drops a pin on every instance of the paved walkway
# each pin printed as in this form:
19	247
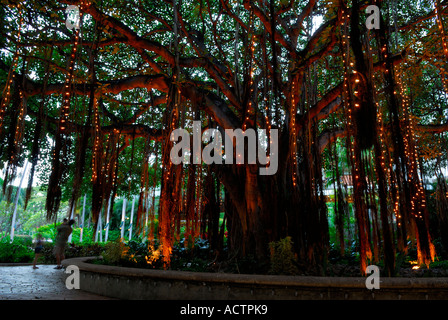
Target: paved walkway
45	283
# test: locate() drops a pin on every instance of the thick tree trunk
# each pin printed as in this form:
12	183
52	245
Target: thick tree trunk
262	209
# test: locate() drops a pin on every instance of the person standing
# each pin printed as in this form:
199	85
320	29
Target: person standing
37	249
63	232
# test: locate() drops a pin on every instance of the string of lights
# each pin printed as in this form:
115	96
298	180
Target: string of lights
6	94
96	141
418	199
65	109
347	87
439	20
385	162
293	127
249	109
19	126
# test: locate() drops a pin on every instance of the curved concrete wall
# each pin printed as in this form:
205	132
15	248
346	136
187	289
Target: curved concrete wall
145	284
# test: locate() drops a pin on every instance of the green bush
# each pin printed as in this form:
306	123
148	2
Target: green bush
113	252
71	251
15	252
24	240
47	256
49	232
83	250
283	260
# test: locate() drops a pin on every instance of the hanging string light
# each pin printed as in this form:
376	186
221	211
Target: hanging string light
96	141
267	113
249	109
107	163
418	201
167	167
347	92
349	99
418	197
6	94
346	88
294	134
439	20
65	109
440	25
20	123
116	141
196	221
385	160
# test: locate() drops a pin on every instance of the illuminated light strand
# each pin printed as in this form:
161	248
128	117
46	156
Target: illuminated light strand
249	110
105	167
168	167
268	127
198	202
96	141
266	117
346	95
418	199
116	137
444	44
388	169
294	135
18	135
19	132
365	249
441	28
6	94
385	155
65	109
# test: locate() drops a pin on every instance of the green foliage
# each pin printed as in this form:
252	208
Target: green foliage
24	240
113	252
192	257
15	252
132	254
71	251
48	231
148	255
439	264
200	248
27	220
83	250
283	260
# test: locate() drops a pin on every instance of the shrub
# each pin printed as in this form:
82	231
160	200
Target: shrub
47	231
24	240
283	260
83	250
113	253
71	251
15	252
47	256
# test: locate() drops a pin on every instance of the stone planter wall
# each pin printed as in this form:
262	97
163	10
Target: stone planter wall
145	284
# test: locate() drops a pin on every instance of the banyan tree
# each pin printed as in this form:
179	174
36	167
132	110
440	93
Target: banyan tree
92	91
